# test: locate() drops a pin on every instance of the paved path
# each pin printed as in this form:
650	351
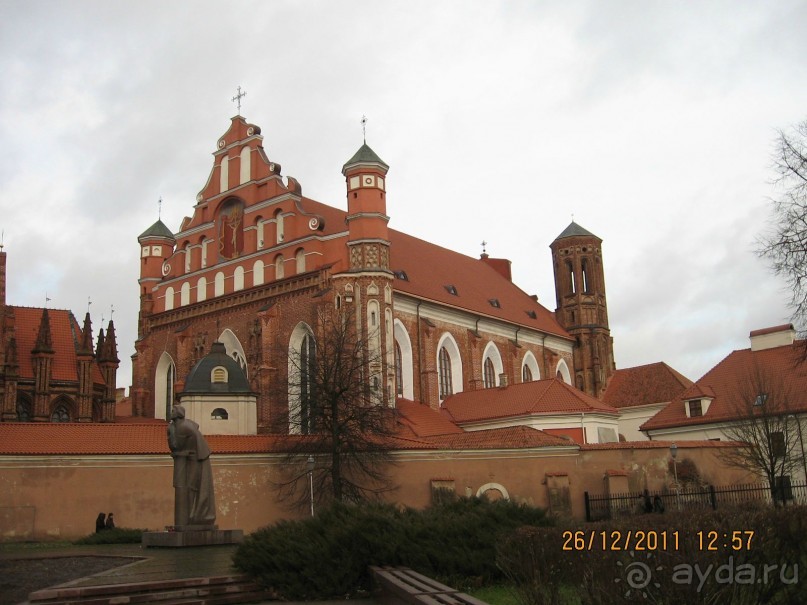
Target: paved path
148	564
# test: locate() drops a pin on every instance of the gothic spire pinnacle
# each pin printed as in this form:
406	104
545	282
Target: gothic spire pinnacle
44	340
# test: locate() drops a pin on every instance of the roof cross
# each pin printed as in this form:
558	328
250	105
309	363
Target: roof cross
364	128
237	98
484	243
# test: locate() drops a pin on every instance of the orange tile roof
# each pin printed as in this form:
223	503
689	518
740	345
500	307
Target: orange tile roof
654	445
430	268
725	381
129	438
424	421
642	385
66	334
548	396
513	437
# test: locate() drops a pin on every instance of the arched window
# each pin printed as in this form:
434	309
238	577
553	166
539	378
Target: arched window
299	258
586	279
25	411
201	289
280	271
302	381
446	386
238	279
245	164
307	403
449	365
164	378
570	271
187	251
218	375
218	284
185	294
492	365
398	371
169	298
224	174
529	368
490	374
257	273
234	348
404	371
563	372
60	414
219	414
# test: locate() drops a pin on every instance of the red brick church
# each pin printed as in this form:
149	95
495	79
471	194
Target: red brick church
50	368
257	258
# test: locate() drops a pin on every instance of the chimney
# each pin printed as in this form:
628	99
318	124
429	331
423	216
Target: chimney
500	265
769	338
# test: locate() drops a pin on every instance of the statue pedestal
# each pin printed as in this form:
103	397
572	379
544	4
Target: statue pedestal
178	536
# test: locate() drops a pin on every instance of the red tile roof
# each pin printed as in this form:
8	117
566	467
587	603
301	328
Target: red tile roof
654	445
735	374
129	438
514	437
642	385
66	334
548	396
430	268
424	421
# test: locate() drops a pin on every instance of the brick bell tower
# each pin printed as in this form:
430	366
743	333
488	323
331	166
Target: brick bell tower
367	285
581	306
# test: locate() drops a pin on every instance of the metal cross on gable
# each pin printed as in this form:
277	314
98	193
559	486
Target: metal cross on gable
237	98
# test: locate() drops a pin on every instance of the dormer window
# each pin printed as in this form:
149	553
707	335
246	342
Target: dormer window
760	400
218	375
532	314
451	289
695	408
494	302
401	275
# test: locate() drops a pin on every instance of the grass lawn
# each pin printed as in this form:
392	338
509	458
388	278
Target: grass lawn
496	595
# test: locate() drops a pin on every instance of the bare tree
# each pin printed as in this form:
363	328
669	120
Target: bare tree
767	424
785	246
342	430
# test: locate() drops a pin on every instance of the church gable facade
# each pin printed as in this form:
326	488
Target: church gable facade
257	262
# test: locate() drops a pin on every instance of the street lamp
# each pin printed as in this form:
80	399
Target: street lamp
674	454
309	464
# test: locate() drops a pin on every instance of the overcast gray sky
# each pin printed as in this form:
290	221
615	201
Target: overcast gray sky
651	122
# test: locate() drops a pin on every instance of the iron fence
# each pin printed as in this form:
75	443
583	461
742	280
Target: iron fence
611	506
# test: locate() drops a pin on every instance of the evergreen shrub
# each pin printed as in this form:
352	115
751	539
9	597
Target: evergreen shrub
328	556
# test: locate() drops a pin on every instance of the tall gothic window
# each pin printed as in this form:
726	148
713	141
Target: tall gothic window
572	284
60	414
445	373
490	374
307	402
586	280
398	370
526	374
24	411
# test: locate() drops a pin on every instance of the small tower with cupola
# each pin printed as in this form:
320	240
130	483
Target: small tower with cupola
581	306
156	247
367	284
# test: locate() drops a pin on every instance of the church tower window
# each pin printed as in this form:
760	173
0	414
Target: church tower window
586	284
280	271
299	258
526	374
572	283
60	414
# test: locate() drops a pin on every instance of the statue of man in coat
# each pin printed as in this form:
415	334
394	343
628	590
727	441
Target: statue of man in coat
194	503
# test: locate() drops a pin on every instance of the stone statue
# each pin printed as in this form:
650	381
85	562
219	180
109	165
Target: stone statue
193	477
